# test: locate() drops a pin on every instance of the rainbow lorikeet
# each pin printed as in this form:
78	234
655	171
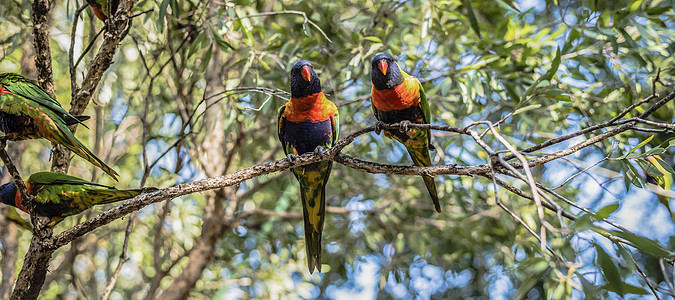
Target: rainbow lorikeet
100	8
309	122
57	195
102	11
399	97
28	112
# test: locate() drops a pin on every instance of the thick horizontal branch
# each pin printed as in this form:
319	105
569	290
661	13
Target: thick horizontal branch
329	154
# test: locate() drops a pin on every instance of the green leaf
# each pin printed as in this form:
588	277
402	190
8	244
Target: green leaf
626	169
627	256
546	77
162	14
649	168
531	280
583	222
625	288
656	151
606	211
554	66
643	244
590	290
526	108
640	145
509	3
665	165
609	269
632	175
373	39
222	43
207	58
472	17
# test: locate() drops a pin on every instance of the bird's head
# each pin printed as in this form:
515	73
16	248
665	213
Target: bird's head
8	193
304	81
385	72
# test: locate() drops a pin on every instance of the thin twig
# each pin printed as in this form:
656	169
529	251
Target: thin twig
123	259
294	12
645	278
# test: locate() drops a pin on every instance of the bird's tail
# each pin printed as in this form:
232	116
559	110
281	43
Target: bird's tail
72	120
105	196
313	192
421	157
66	138
14	216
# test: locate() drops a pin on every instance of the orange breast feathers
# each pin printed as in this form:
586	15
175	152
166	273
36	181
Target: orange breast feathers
402	96
17	197
312	108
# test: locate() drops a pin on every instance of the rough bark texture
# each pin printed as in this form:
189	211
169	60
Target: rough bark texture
42	15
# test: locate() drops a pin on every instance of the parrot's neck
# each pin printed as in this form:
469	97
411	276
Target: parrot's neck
307	102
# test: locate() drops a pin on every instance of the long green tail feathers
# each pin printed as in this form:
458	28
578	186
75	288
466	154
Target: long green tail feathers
314	215
14	216
421	157
113	195
67	139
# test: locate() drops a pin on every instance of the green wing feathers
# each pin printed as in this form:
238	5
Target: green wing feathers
45	117
30	90
53	178
282	128
335	124
424	105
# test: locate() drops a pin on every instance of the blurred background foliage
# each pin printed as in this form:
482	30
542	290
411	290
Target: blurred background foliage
477	59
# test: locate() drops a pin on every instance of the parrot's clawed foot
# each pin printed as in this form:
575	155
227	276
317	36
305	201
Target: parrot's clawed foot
404	126
292	158
378	127
320	151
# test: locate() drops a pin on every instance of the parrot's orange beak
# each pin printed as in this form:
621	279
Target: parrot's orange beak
382	65
306	74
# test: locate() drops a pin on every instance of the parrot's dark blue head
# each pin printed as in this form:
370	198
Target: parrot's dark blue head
304	81
385	72
8	193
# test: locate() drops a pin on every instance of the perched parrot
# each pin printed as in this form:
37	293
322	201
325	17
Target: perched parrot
57	195
399	97
28	112
101	11
309	122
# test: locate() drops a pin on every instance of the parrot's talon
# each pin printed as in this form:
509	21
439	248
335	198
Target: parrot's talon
319	150
292	158
403	126
378	127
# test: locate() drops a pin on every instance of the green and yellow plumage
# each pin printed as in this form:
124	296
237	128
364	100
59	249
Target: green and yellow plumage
57	195
28	112
398	97
308	121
